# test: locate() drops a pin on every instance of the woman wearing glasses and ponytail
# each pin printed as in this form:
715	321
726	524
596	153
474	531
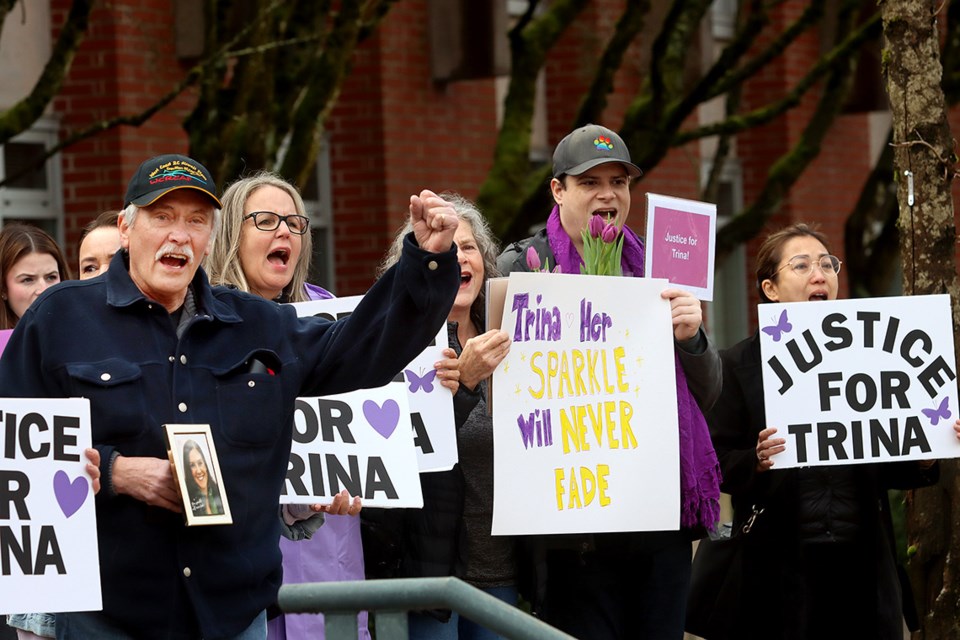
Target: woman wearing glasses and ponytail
263	247
821	552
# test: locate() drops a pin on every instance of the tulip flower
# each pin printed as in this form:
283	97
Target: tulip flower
601	248
609	233
533	259
596	226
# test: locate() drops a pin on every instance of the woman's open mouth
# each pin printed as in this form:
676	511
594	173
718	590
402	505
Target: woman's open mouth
279	257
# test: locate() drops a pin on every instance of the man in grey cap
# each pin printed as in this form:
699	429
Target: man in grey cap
151	342
623	585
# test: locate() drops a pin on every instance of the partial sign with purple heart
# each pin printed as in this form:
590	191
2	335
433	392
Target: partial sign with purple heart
860	381
360	441
47	515
431	404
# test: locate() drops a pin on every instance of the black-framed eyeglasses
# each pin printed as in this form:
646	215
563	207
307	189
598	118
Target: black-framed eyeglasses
270	221
803	265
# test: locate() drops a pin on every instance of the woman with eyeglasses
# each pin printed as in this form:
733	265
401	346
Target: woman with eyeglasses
820	559
263	247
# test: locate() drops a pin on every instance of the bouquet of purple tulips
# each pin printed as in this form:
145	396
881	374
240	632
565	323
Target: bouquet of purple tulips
602	248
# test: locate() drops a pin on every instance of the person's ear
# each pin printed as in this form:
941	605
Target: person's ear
124	231
770	290
556	188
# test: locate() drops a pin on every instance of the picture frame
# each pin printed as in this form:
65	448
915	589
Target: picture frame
196	471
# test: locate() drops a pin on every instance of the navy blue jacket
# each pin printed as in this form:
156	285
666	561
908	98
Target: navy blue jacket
103	340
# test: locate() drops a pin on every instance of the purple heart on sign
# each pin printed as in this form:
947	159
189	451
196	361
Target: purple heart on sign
70	495
383	419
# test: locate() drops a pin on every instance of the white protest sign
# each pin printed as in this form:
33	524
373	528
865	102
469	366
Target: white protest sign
359	441
585	408
857	381
431	405
48	522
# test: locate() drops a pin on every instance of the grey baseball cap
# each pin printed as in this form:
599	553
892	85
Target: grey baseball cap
588	147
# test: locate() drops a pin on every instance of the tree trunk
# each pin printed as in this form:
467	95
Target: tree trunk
923	162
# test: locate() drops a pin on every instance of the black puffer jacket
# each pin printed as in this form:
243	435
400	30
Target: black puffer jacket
799	506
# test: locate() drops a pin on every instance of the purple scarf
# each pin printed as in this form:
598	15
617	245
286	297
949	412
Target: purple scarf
699	468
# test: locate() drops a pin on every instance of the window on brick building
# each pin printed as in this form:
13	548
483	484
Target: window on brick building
468	39
723	18
317	199
35	196
728	315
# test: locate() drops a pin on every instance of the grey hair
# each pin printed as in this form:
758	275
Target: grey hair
129	215
223	264
487	244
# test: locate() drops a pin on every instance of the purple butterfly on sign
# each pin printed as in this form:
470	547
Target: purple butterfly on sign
424	382
777	330
943	411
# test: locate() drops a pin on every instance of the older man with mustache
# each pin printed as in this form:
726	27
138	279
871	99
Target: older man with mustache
151	342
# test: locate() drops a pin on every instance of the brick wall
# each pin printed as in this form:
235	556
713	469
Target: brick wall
125	62
396	132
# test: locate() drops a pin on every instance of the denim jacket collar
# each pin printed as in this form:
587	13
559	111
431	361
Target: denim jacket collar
123	292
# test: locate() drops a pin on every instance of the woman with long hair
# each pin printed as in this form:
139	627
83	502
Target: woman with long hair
30	261
202	489
450	535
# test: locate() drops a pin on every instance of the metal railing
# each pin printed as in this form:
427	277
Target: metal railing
390	600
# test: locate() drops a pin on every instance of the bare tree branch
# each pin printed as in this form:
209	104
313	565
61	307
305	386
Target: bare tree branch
24	113
810	16
135	120
511	173
627	28
788	168
838	58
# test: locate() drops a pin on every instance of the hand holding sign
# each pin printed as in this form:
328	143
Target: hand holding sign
448	372
686	312
93	469
767	447
481	355
342	505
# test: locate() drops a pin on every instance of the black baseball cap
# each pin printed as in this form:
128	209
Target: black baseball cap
588	147
160	175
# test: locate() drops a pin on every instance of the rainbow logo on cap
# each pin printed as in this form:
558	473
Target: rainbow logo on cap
603	143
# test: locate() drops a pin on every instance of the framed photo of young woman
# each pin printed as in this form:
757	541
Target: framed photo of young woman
196	471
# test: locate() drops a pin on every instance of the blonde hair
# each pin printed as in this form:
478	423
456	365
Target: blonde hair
223	264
